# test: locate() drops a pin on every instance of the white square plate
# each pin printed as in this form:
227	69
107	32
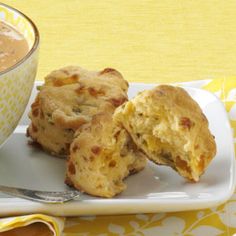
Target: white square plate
155	189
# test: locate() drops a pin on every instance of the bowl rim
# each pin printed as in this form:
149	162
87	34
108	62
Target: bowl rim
35	44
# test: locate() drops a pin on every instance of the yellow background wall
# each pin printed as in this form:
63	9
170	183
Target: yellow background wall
147	40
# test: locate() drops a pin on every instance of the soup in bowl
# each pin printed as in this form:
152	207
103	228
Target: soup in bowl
19	42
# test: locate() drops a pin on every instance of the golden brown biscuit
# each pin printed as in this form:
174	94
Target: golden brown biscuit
69	98
101	156
169	126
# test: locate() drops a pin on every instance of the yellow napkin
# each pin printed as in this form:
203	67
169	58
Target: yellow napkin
54	224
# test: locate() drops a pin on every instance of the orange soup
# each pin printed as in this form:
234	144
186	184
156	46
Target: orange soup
13	46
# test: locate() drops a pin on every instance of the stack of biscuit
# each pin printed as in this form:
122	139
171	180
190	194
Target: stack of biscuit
86	117
72	117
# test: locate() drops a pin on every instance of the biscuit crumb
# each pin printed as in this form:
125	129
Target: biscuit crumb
112	163
96	150
186	122
71	168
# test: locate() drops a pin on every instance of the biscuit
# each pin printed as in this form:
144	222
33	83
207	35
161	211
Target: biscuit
101	156
69	98
171	129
